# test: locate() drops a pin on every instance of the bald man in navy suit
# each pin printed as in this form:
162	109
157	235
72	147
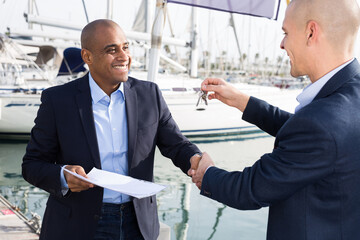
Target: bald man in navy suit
311	180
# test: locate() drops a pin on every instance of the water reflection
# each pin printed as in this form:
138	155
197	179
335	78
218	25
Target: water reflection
181	228
180	205
218	215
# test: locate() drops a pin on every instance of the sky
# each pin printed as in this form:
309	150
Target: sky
256	35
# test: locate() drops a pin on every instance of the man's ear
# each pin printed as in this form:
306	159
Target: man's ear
312	32
86	56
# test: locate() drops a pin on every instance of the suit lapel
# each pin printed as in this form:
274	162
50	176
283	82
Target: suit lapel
341	77
84	102
132	119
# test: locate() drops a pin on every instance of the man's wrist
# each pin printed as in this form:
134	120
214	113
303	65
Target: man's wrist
196	154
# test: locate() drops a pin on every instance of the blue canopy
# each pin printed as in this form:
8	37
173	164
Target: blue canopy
72	62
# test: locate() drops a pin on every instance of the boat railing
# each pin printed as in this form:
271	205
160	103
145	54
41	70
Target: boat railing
15	64
34	223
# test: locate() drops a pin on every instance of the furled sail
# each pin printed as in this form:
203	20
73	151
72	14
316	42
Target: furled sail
139	24
257	8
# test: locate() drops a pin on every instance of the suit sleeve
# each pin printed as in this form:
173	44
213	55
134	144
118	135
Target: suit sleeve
171	142
39	162
265	116
306	153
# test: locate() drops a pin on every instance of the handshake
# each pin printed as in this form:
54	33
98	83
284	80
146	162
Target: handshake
199	165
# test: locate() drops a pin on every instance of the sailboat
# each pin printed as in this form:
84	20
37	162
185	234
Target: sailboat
25	71
19	103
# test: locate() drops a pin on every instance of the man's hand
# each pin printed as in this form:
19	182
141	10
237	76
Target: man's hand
194	161
198	175
225	92
75	184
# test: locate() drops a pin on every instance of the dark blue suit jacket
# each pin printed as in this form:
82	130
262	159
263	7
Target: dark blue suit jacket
311	180
64	133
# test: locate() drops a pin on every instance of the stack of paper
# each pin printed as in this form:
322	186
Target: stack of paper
120	183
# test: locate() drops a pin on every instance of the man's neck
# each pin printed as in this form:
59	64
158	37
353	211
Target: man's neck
324	67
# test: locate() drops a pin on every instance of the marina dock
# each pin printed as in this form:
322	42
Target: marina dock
13	224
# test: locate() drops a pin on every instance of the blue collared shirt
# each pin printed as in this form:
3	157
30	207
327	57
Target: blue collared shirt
111	131
310	91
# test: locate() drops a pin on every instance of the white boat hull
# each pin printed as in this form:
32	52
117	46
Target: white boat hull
17	114
18	110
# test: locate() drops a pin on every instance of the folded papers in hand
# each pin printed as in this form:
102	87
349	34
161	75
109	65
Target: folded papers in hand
120	183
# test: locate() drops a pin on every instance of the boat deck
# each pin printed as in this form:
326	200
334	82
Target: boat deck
13	224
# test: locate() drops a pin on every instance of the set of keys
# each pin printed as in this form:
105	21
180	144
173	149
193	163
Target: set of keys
202	97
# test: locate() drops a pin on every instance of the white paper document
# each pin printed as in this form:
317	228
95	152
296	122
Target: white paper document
120	183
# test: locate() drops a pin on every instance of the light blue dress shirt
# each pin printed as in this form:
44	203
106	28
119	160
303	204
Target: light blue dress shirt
310	91
111	131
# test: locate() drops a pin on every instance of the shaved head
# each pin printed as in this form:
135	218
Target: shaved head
320	35
92	30
105	49
338	19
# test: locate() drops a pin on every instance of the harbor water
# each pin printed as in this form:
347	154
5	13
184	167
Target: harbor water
189	215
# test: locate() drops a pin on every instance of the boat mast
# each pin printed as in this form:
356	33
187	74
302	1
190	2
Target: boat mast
156	39
85	11
30	12
208	55
194	43
109	14
232	24
149	20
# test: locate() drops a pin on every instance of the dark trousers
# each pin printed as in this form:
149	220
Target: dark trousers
118	222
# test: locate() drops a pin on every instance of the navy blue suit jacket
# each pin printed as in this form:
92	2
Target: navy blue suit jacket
311	180
64	133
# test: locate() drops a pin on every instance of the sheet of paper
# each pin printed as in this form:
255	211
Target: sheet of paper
120	183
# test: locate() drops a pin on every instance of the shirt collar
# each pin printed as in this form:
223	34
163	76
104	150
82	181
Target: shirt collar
310	91
97	93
